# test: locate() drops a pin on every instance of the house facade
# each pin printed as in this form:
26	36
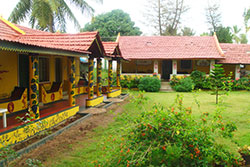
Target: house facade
237	59
40	75
174	55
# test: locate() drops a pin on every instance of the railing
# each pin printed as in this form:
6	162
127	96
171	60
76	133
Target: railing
180	76
138	75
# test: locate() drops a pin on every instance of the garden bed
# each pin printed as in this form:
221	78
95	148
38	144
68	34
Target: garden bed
69	140
46	133
43	136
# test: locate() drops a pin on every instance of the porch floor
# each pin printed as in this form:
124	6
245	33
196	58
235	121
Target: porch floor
45	111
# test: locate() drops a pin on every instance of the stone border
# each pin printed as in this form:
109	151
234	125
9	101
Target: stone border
124	95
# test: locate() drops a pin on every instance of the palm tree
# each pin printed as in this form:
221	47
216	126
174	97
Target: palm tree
236	31
47	14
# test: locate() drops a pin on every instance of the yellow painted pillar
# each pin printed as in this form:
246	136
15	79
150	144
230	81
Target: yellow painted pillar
91	79
99	77
72	80
34	87
118	73
110	76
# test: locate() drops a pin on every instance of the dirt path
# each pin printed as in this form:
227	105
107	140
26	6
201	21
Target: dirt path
60	144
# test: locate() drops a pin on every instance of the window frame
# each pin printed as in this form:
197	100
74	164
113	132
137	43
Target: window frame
186	66
44	71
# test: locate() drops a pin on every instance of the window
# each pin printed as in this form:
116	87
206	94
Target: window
186	64
43	69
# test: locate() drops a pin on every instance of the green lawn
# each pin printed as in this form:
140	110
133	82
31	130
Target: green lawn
237	110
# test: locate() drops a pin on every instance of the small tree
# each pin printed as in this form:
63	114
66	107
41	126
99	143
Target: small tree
217	79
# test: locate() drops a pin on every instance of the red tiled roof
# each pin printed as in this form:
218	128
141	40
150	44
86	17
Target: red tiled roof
81	42
235	53
112	49
169	47
7	33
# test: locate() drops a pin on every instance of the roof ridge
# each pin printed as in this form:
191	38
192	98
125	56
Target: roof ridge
12	26
218	45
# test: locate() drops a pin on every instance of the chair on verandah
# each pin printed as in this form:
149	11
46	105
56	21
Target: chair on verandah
16	102
53	94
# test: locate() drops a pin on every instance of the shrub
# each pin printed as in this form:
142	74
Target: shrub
174	81
184	85
206	83
171	137
198	78
130	83
149	84
241	84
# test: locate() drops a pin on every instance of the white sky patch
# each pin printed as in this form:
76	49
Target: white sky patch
232	13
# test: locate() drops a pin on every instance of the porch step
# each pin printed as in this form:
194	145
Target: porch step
165	87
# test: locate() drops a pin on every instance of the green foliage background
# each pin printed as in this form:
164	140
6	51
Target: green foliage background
111	23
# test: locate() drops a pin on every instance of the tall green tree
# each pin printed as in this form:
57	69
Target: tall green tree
236	30
186	31
243	38
205	34
112	23
237	37
246	16
224	34
48	15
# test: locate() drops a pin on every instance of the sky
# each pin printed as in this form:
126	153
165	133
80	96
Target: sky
231	10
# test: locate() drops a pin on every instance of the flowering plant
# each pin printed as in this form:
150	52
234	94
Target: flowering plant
245	150
171	137
155	74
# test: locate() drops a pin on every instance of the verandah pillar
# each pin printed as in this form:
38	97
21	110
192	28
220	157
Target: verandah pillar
110	77
118	73
91	79
34	87
212	63
174	67
72	81
99	77
156	69
237	71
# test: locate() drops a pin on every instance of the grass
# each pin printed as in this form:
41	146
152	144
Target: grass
237	110
104	76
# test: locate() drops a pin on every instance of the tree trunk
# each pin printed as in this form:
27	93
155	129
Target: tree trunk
51	25
159	16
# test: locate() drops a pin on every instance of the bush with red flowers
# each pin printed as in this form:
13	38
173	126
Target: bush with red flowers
171	137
